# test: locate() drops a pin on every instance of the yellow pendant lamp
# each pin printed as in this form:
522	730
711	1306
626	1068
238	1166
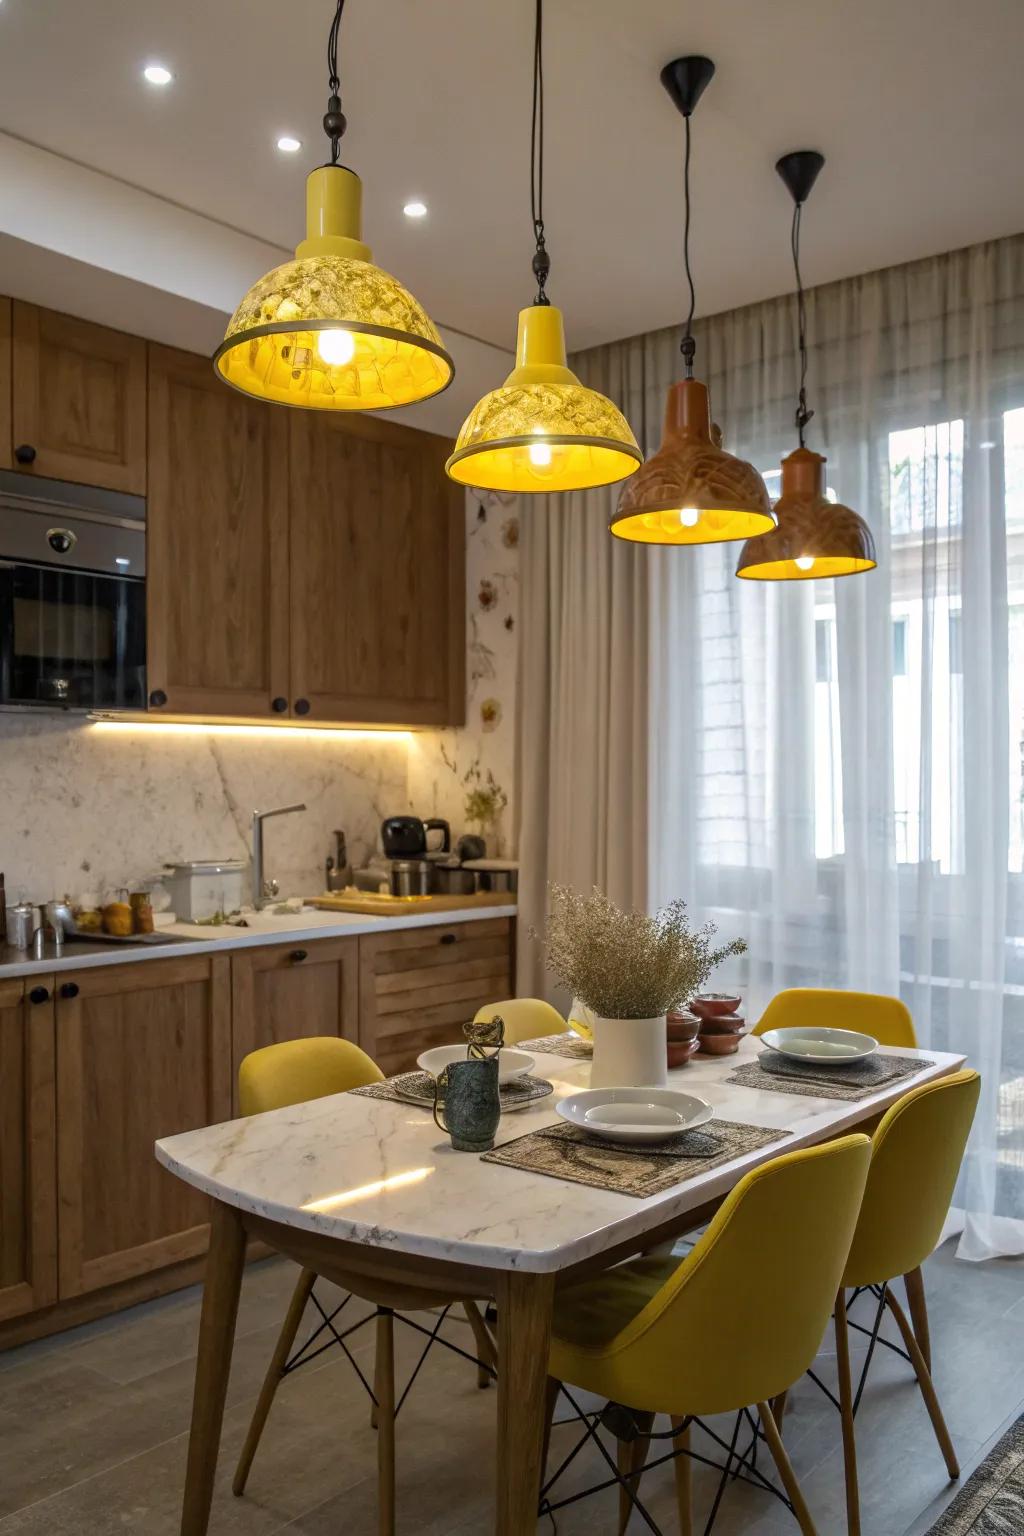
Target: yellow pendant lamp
330	331
542	430
815	537
691	491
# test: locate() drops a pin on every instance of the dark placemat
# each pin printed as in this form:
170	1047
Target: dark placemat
566	1152
856	1080
418	1088
569	1044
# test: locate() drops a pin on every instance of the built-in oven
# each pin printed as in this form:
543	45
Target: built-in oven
72	596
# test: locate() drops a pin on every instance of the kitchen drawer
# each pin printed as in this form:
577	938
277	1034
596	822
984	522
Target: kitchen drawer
417	987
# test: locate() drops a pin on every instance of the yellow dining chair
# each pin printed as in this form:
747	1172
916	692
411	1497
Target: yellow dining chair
661	1336
526	1018
886	1018
915	1159
294	1072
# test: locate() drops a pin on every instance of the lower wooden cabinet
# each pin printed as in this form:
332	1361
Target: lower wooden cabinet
288	991
28	1180
143	1051
418	985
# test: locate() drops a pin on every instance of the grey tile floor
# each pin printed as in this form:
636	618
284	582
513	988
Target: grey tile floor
93	1428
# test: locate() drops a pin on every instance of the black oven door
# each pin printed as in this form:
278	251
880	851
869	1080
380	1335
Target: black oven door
71	639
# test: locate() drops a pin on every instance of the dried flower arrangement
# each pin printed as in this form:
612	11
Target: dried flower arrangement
628	965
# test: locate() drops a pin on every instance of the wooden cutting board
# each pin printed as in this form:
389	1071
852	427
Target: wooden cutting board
371	904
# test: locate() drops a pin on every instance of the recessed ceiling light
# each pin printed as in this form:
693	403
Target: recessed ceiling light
157	74
415	210
289	145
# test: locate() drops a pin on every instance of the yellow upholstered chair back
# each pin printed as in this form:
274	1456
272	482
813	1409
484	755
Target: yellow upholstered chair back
887	1018
743	1315
296	1070
526	1018
916	1154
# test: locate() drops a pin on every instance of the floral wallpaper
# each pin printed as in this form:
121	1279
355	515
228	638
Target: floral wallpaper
466	775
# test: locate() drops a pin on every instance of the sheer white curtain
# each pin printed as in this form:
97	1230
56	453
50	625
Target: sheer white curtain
835	767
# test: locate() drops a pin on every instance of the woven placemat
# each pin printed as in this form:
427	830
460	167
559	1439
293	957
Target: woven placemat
568	1044
418	1088
857	1080
566	1152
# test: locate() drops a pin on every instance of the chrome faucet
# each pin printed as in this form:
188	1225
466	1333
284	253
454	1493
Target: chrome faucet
264	890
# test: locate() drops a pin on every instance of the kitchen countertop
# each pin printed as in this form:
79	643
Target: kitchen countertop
197	940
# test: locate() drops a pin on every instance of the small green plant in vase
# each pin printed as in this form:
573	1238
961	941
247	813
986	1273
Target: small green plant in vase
485	800
629	969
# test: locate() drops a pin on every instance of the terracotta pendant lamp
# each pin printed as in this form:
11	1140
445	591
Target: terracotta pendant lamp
691	491
330	331
816	537
543	430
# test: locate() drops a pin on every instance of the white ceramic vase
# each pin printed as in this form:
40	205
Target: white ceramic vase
629	1053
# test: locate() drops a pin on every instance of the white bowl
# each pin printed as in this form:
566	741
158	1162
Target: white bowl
826	1047
511	1064
635	1114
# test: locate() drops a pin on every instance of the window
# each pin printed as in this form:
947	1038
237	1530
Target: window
899	647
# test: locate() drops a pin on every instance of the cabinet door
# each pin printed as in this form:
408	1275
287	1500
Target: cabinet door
217	579
79	400
377	574
5	384
289	991
143	1051
28	1212
417	987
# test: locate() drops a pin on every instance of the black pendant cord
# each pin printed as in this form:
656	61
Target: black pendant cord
688	346
541	259
803	415
335	121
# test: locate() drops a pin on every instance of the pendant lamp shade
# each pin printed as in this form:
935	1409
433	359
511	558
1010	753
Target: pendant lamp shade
691	491
543	430
330	331
815	537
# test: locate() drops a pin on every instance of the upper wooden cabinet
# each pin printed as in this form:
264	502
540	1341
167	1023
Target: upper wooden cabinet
79	401
28	1188
217	587
5	384
377	540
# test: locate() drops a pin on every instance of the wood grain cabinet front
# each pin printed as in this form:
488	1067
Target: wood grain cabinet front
28	1215
143	1051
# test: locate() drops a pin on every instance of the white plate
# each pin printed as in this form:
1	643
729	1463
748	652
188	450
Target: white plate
826	1047
635	1114
510	1063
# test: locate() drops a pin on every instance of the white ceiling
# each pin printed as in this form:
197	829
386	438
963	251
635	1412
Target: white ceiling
917	105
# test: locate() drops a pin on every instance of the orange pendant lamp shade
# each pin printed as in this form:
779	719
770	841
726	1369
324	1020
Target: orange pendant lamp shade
815	537
691	491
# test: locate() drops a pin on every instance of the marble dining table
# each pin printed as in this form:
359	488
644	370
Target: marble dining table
370	1187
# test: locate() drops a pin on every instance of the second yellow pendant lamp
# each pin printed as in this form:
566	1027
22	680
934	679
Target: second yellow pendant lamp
542	430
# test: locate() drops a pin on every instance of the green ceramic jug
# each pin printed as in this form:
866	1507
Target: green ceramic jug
467	1105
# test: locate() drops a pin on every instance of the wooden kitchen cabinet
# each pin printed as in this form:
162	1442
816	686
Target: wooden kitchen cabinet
143	1051
5	385
419	985
217	587
377	553
289	991
28	1190
79	401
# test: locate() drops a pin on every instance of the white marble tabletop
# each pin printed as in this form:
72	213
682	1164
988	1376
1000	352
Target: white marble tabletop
378	1172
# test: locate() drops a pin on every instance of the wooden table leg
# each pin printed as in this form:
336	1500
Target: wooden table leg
213	1364
524	1335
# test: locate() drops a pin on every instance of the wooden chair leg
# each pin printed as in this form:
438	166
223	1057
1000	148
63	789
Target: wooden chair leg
631	1457
793	1490
275	1374
384	1387
924	1381
846	1415
914	1283
485	1349
684	1477
778	1407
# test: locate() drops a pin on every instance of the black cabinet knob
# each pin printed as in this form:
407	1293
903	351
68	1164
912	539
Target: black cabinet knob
279	706
69	989
448	938
25	453
39	995
297	955
302	706
157	698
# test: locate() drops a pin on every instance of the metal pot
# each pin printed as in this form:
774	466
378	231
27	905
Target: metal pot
453	880
411	877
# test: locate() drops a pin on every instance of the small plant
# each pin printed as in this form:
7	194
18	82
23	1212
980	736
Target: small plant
485	798
628	965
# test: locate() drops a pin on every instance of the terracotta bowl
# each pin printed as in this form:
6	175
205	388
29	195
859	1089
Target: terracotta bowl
720	1045
708	1005
725	1024
682	1026
680	1051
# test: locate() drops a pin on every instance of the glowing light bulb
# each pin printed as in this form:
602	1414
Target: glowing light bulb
540	455
158	74
336	347
804	562
689	517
